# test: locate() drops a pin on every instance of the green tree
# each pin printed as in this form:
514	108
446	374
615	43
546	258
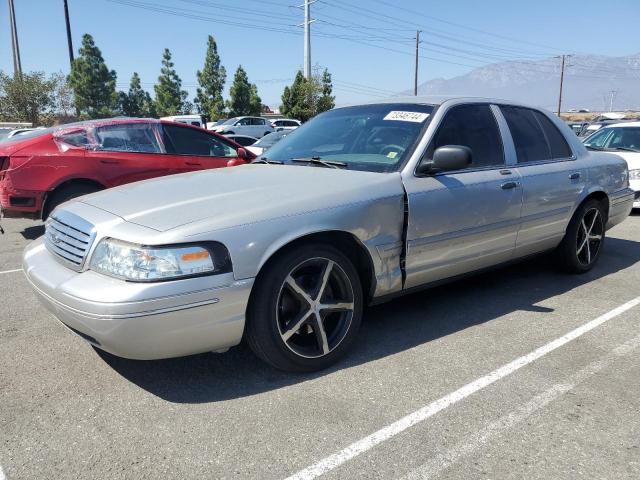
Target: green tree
136	102
326	100
30	97
169	94
211	79
93	84
244	99
306	98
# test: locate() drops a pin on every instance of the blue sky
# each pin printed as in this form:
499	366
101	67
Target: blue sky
366	44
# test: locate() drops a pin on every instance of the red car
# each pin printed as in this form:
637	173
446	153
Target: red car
45	168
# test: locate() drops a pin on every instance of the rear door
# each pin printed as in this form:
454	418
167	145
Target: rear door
127	152
194	149
463	220
552	178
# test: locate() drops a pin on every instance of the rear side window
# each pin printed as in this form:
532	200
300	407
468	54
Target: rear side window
76	138
557	143
534	136
472	126
188	141
131	137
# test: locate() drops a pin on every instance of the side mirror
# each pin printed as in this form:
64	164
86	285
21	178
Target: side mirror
242	154
449	157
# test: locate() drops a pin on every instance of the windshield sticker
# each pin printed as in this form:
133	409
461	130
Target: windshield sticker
417	117
392	154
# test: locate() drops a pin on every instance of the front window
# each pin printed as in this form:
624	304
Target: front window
376	138
189	141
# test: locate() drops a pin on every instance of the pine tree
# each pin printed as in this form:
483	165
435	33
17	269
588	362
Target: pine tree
93	84
169	94
244	99
326	100
211	80
137	102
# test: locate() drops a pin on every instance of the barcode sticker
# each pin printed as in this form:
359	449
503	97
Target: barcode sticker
417	117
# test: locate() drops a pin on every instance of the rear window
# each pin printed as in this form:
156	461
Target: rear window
130	137
529	137
557	143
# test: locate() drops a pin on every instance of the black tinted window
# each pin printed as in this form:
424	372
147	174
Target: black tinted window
188	141
557	143
528	136
472	126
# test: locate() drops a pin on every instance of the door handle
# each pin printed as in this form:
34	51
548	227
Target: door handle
509	185
193	163
505	172
574	176
109	162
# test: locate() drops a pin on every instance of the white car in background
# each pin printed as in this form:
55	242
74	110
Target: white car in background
267	142
195	120
623	139
285	124
256	127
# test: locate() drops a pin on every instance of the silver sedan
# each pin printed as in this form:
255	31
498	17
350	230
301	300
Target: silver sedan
357	206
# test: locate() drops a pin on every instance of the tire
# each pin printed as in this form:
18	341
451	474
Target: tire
66	193
584	239
287	325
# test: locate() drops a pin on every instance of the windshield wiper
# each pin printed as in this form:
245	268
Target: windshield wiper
318	161
266	160
592	147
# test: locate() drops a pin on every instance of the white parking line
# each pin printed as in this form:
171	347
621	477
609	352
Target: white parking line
2	476
438	464
11	271
333	461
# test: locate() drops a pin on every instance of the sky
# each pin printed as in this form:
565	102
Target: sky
367	45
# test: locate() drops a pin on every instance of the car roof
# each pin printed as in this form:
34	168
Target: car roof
441	99
625	124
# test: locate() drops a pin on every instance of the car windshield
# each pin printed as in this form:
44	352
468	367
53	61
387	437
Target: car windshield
615	138
375	138
270	139
231	121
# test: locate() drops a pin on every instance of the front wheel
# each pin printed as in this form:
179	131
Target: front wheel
306	309
583	241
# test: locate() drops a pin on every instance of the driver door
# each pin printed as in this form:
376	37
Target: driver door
464	220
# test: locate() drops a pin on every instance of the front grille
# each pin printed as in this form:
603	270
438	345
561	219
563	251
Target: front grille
69	238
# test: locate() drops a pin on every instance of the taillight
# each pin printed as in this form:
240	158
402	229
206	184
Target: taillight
4	163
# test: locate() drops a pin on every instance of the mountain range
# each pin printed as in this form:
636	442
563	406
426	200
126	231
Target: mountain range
591	82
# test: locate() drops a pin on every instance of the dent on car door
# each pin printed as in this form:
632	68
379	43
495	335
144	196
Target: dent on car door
464	220
195	150
127	152
552	178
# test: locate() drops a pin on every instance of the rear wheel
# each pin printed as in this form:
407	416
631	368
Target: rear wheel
581	246
66	193
305	310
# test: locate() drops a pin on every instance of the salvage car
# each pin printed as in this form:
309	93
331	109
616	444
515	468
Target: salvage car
622	139
43	168
359	205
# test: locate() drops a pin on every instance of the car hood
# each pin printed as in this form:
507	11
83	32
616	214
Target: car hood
632	158
228	197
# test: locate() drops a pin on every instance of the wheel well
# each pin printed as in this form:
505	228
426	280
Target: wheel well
66	184
601	197
349	245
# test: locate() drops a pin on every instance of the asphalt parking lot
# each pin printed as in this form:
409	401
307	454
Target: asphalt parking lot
430	378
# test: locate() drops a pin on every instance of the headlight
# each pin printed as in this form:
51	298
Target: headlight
634	174
138	263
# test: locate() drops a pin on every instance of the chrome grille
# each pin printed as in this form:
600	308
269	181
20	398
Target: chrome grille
69	238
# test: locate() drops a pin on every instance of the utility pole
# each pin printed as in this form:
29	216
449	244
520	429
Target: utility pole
561	81
69	42
307	39
17	65
612	96
415	79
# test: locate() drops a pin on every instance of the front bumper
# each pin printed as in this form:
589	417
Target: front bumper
143	321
